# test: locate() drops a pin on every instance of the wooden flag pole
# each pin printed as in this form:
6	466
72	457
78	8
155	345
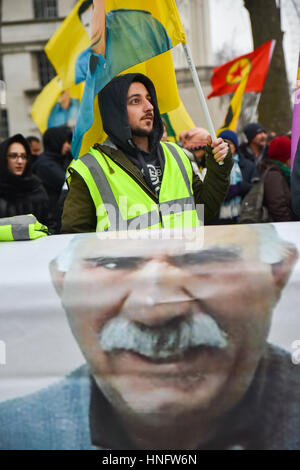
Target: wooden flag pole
200	93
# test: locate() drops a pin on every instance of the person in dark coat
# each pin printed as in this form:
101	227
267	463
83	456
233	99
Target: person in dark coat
256	147
277	195
51	168
244	171
21	192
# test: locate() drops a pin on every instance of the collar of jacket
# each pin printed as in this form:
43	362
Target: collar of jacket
120	158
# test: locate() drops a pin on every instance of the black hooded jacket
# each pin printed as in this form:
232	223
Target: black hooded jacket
113	109
51	166
79	211
21	194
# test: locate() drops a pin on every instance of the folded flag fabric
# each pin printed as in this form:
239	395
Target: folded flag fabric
132	36
21	228
68	42
227	77
55	106
234	109
296	118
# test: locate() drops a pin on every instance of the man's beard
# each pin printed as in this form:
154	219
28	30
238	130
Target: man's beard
139	132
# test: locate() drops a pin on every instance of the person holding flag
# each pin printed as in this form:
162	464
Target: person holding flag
132	180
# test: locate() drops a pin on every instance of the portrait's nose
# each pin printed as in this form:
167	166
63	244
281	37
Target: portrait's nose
157	294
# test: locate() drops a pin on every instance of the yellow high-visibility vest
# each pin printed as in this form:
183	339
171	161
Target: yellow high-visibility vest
122	204
21	227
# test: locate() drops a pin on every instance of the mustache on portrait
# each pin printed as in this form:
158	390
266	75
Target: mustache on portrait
165	341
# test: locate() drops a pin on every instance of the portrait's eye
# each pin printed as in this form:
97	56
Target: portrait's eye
114	263
110	266
230	254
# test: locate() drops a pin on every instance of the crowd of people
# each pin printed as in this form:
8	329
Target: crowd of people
264	157
33	181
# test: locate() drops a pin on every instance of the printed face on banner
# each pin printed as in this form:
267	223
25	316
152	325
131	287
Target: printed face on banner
170	332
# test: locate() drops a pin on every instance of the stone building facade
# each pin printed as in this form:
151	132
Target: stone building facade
27	25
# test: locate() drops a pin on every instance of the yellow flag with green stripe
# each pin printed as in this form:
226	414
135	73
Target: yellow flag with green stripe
177	121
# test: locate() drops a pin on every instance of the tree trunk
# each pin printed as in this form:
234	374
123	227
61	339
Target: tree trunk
274	109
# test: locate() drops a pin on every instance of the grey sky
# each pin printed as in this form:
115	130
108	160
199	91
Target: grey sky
231	29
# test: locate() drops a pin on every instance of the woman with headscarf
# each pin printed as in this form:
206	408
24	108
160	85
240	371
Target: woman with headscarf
21	192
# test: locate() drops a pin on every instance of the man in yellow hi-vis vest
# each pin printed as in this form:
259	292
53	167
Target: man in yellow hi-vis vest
133	181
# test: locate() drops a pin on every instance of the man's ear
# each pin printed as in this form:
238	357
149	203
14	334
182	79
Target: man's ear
57	277
281	271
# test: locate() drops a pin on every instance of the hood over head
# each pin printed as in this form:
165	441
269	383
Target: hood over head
55	137
4	172
113	109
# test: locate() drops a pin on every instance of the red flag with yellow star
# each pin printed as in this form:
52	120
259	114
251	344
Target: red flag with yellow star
227	77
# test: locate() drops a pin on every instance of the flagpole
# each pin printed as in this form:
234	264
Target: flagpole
200	93
255	107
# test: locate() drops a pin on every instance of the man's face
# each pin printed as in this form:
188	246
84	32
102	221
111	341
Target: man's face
260	139
167	331
65	99
66	148
35	147
140	110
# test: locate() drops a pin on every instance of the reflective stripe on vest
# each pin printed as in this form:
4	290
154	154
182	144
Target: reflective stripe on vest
115	195
21	227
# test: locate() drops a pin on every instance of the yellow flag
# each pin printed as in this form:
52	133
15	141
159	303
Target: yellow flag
235	106
135	22
47	102
178	121
67	43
